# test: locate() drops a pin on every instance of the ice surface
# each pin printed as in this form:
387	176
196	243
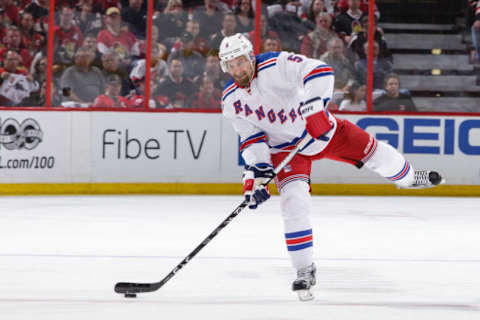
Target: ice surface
377	257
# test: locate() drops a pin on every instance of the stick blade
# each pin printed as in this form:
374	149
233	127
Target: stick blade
131	287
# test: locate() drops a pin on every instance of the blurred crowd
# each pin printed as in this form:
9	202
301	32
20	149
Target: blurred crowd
99	57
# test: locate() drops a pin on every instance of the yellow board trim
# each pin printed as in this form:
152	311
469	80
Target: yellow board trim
227	188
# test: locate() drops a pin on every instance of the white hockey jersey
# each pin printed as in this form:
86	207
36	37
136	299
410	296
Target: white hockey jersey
266	114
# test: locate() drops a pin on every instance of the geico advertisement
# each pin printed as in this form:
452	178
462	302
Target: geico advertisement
34	146
450	145
155	147
426	135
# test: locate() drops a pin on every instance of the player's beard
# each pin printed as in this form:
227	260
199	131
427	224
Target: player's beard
243	80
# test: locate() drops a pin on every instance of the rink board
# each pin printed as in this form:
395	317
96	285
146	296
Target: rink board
141	152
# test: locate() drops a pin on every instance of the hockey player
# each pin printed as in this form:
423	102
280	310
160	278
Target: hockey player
273	100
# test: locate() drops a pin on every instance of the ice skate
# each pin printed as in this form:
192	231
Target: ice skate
305	280
426	179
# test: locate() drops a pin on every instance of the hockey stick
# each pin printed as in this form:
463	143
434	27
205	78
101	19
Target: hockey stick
130	289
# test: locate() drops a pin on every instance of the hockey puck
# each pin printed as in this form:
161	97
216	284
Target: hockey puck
130	295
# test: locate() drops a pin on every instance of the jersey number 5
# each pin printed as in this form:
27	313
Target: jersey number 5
294	58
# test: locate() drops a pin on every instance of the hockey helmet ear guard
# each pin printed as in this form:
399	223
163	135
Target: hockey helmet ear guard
233	47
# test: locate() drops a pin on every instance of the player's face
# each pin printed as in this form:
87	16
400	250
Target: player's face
241	70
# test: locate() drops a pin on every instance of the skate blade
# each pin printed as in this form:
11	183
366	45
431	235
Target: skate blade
305	295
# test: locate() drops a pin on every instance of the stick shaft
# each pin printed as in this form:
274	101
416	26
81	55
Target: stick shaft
129	287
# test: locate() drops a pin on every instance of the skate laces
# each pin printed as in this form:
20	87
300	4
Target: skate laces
422	177
307	273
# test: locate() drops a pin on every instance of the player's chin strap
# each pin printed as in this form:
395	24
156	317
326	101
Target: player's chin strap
130	289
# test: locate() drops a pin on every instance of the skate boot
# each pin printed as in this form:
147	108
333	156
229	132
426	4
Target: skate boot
427	179
305	280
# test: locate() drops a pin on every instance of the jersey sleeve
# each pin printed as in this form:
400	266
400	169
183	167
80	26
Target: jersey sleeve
315	77
253	141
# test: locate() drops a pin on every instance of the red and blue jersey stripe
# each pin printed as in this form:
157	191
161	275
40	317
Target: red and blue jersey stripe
371	152
402	173
299	240
266	60
320	71
229	88
256	138
266	64
292	144
293	177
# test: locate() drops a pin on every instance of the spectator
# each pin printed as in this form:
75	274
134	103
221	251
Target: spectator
393	99
193	61
289	27
316	7
112	66
13	41
208	97
200	43
16	83
473	21
176	88
271	44
36	98
229	27
136	98
348	22
265	31
355	47
90	42
381	67
343	5
210	18
172	21
39	69
68	38
31	40
244	16
88	20
314	44
332	7
82	82
158	67
114	36
96	6
139	50
355	98
335	57
8	13
111	98
214	72
38	9
136	16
